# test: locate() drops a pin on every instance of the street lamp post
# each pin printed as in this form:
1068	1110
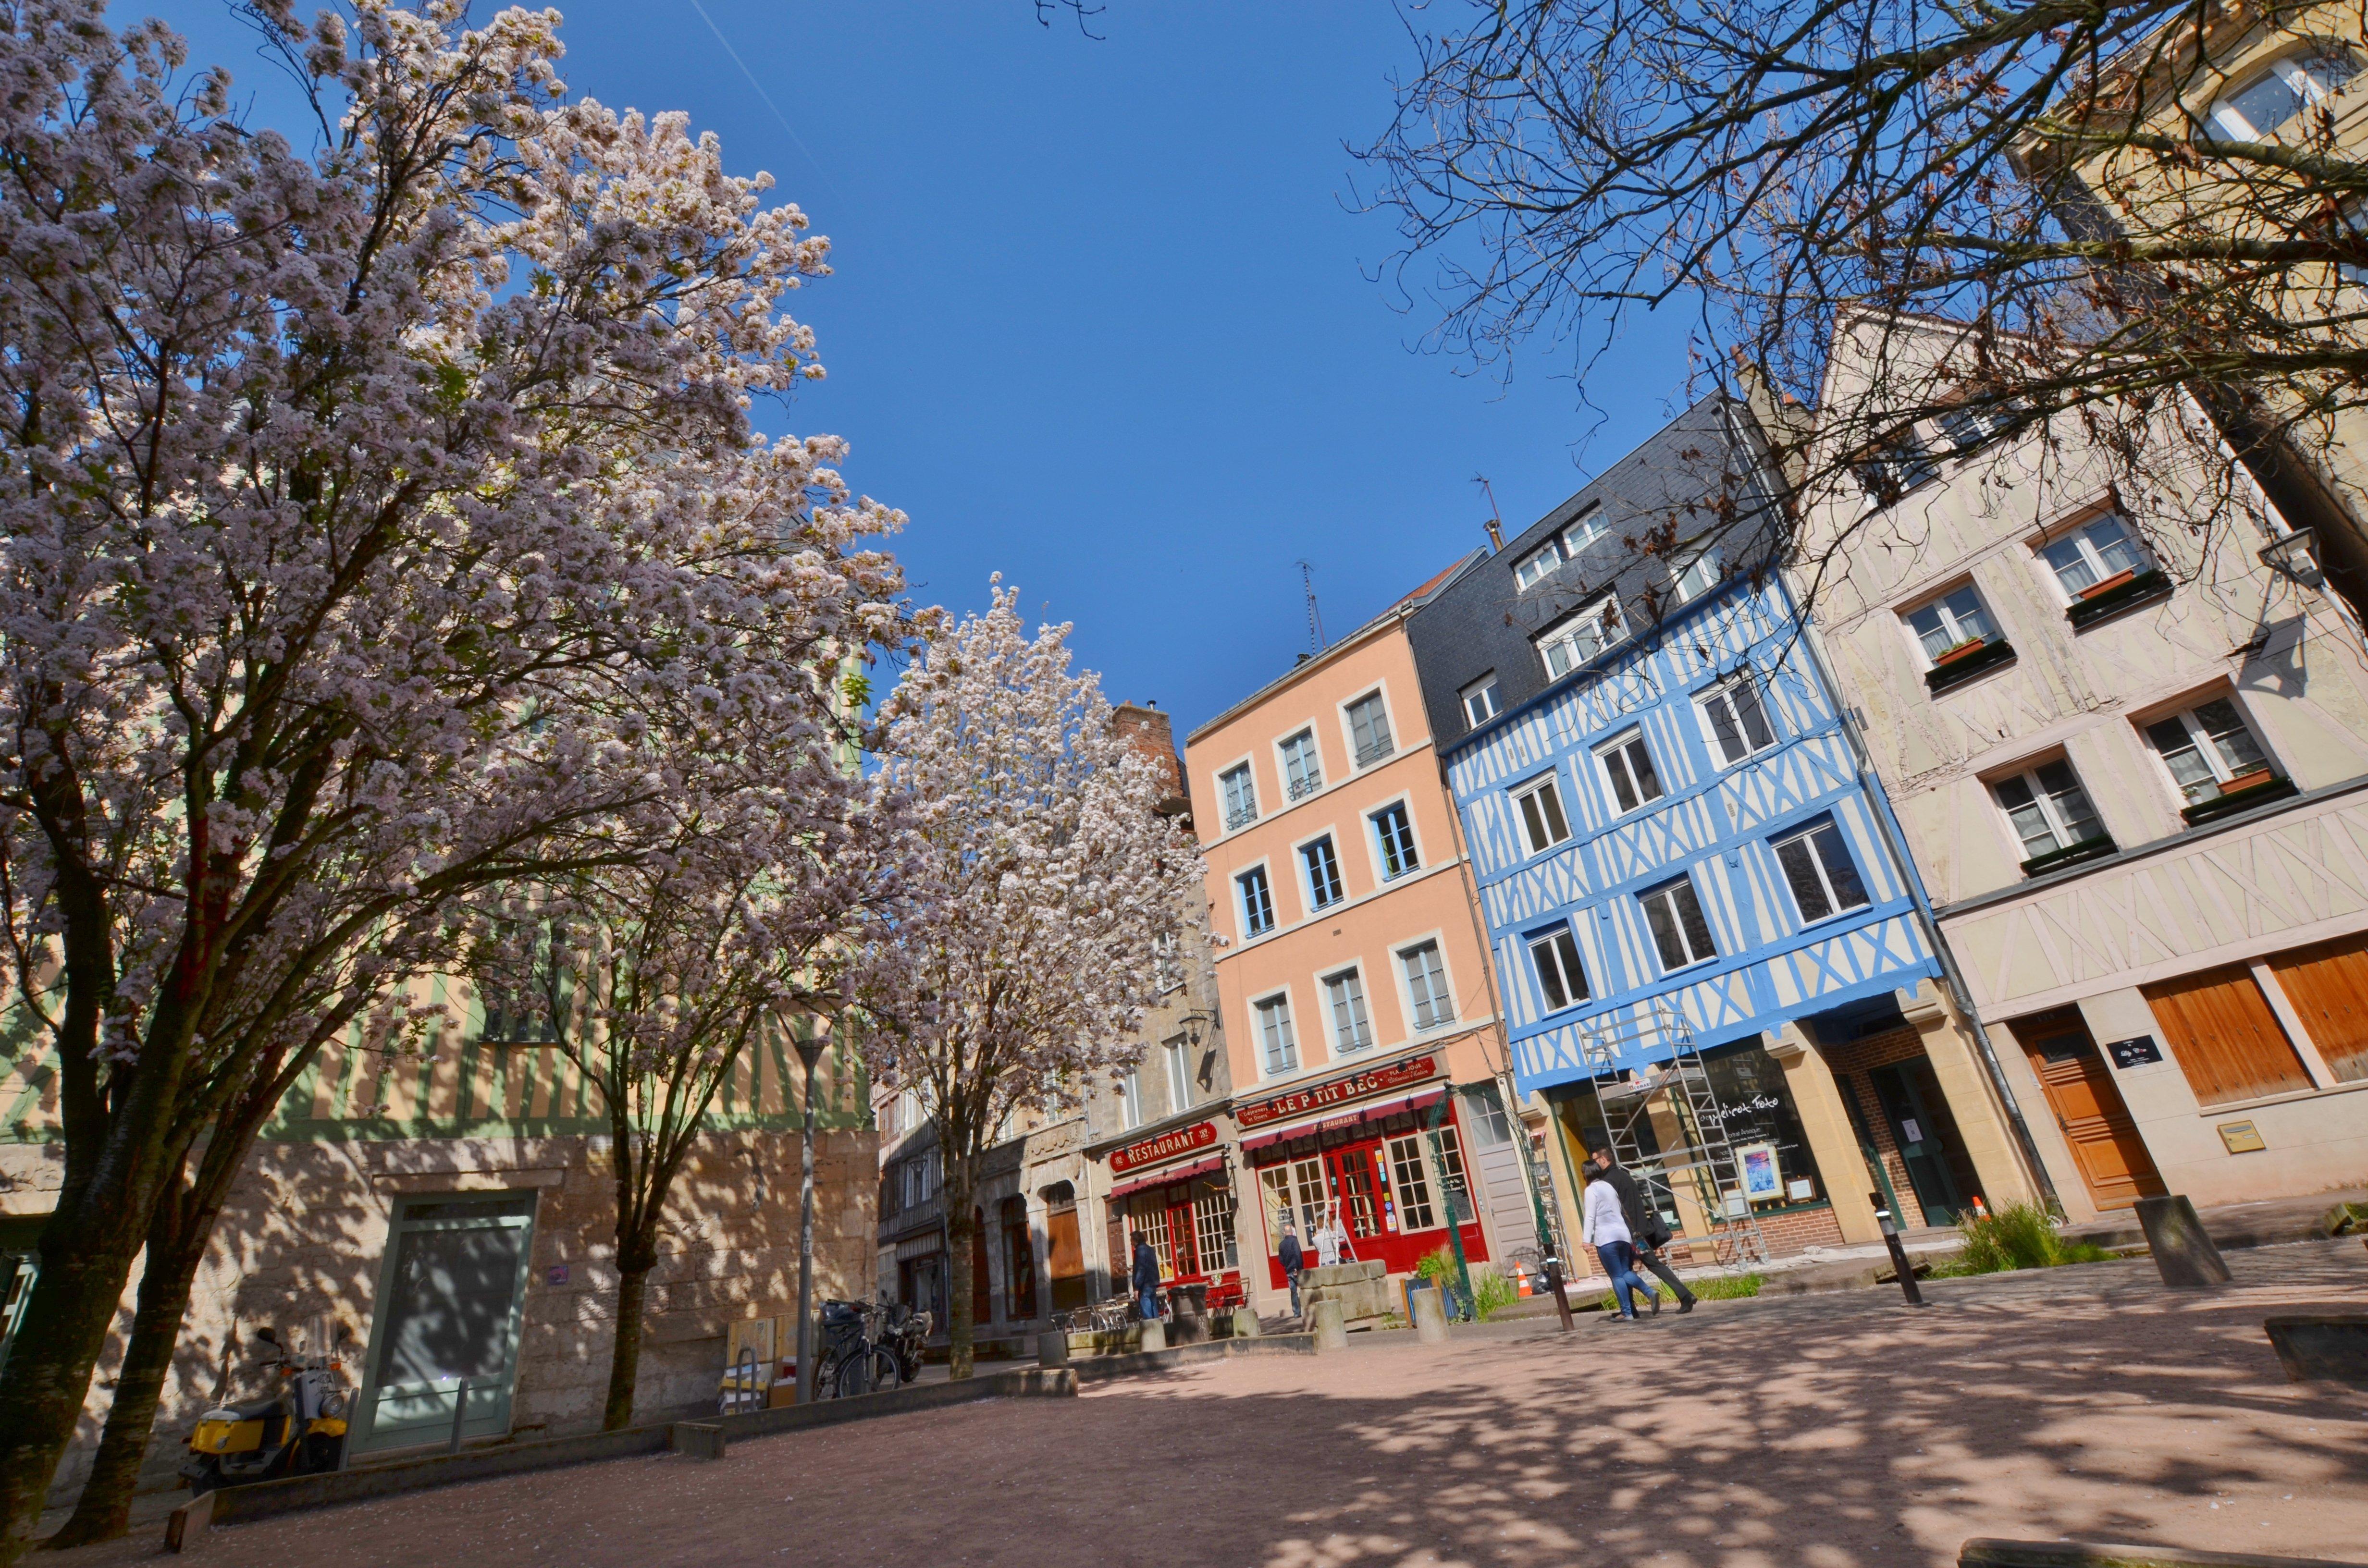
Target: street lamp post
809	1052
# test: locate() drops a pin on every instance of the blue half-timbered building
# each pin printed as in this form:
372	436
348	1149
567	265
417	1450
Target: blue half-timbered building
1671	834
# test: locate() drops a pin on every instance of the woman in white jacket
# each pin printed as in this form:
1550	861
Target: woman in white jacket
1606	1229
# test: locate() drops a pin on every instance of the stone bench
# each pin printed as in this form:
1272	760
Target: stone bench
2322	1348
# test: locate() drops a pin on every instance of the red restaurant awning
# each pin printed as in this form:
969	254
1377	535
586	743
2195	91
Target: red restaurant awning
1383	1112
1162	1178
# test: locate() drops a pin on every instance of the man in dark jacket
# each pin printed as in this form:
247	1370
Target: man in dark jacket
1294	1262
1645	1226
1147	1277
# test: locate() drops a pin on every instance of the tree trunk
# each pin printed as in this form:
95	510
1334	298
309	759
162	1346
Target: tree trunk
49	1363
960	1225
104	1510
625	1359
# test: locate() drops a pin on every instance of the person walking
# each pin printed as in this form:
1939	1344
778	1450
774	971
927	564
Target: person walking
1147	1277
1605	1228
1295	1263
1647	1232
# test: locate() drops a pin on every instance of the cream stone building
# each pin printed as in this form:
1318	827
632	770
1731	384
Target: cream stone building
2127	737
450	1213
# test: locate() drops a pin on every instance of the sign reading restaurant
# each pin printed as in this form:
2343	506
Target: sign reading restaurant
1372	1081
1167	1146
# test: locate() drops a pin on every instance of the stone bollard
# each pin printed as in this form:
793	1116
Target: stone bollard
185	1530
2183	1253
695	1439
1429	1316
2332	1347
1246	1324
1154	1334
1052	1347
1331	1328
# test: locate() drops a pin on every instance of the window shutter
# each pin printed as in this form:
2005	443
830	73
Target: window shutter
2227	1040
2327	984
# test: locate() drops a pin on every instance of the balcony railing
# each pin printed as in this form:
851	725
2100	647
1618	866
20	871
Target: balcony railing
1304	786
1240	816
1373	751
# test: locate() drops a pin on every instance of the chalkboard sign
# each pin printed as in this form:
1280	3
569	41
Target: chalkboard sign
2136	1052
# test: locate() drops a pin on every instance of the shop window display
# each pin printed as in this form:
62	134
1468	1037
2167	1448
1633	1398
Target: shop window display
1758	1110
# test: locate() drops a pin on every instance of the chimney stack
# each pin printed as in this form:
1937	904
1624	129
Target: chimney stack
1146	729
1495	533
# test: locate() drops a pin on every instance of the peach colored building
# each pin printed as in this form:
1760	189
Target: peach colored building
1353	972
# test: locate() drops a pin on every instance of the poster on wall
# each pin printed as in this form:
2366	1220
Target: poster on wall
1760	1179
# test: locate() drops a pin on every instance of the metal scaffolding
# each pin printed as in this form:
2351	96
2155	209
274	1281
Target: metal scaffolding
1703	1161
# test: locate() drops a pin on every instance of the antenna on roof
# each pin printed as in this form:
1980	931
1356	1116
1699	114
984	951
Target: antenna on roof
1496	523
1315	620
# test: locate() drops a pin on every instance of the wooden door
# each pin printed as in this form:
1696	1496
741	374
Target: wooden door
2327	984
2228	1042
2088	1105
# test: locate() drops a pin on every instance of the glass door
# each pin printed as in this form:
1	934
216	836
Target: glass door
447	1328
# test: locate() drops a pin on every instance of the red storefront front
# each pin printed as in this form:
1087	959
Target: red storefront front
1361	1149
1175	1190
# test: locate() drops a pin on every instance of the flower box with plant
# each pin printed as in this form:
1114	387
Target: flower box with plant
2243	792
2119	592
2070	854
1967	660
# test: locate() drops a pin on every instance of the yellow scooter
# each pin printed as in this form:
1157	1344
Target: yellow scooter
297	1429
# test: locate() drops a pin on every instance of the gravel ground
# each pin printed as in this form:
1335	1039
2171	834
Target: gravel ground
1831	1432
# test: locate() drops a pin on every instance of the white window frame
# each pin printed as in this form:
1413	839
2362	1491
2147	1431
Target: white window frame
1564	635
2225	120
1342	1042
1264	1043
1405	985
2029	774
1130	1100
1668	890
1381	873
1410	1182
1809	834
1225	804
1546	948
1259	869
2200	738
1698	576
1619	748
1307	875
1538	565
1482	690
1722	693
1292	789
2077	535
1984	423
1950	619
1546	793
1180	1072
1357	762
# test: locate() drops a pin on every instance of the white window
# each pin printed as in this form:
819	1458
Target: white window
1629	767
1257	902
1393	832
1950	622
1484	1114
1969	428
1697	577
1302	770
1213	1226
1413	1180
1480	702
1369	729
1281	1046
1818	868
1570	642
1538	565
1674	914
1179	1075
1562	979
1425	979
1542	823
2096	551
1578	535
1351	1030
1323	867
1736	719
2048	808
2207	748
1898	468
1241	797
1130	1100
2277	94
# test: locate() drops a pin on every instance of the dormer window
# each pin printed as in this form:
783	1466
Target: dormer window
2268	101
1540	564
1571	641
1481	702
1697	577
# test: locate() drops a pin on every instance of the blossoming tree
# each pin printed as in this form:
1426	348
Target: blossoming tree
381	523
1043	884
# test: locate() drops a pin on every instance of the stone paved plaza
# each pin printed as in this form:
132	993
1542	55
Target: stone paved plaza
1830	1431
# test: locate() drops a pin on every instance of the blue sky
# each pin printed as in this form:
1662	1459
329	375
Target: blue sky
1105	318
